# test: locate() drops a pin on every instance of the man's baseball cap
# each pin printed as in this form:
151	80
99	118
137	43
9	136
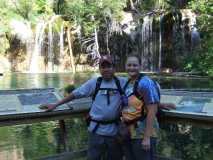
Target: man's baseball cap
106	58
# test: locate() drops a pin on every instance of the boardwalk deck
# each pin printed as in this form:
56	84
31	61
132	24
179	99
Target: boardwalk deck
22	106
81	154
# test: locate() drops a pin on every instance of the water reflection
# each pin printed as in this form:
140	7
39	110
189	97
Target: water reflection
184	82
33	141
187	142
22	80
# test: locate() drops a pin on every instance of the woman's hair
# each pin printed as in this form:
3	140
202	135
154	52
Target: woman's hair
136	56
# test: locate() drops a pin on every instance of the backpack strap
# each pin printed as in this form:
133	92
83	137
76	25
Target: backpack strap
136	86
158	88
136	82
97	87
88	117
117	82
127	83
135	91
144	115
138	95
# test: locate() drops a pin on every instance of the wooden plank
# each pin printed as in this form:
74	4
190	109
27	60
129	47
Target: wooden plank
67	155
83	153
165	158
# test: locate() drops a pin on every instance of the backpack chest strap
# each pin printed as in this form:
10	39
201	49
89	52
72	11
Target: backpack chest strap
98	87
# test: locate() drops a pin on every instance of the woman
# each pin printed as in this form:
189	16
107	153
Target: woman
140	114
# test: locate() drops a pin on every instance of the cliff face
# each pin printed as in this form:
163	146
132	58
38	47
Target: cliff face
4	64
20	64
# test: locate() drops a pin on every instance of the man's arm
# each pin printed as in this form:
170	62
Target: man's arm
85	90
50	107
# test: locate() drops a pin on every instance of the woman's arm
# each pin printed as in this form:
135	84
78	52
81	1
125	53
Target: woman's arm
167	106
151	113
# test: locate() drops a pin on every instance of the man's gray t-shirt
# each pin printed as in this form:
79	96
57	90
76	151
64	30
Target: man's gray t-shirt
101	109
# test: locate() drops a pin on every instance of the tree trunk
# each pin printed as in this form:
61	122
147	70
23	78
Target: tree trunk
96	43
132	4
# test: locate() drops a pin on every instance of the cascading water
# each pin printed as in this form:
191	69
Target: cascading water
148	44
144	38
38	49
50	48
34	60
195	38
160	43
61	42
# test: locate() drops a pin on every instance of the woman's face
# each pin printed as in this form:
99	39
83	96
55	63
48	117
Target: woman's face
132	66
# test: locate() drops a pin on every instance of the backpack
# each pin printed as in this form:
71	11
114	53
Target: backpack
97	89
142	114
98	85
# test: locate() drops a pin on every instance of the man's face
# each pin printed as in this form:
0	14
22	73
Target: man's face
106	70
132	66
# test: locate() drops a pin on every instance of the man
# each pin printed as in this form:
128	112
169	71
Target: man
105	110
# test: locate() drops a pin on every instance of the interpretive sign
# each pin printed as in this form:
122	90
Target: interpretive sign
27	101
40	98
9	103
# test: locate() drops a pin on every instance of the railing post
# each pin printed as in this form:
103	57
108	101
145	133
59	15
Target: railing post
64	136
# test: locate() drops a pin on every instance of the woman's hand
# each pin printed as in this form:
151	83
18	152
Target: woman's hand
146	143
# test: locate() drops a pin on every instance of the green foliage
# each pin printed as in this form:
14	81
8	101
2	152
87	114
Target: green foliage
42	7
69	88
149	5
24	10
4	43
202	60
90	14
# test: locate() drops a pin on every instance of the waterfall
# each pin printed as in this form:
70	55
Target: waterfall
51	55
61	55
38	46
160	43
61	41
191	35
157	35
50	48
195	39
22	30
147	46
34	60
29	46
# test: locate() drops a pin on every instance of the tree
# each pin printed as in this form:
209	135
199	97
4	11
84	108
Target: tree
202	60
